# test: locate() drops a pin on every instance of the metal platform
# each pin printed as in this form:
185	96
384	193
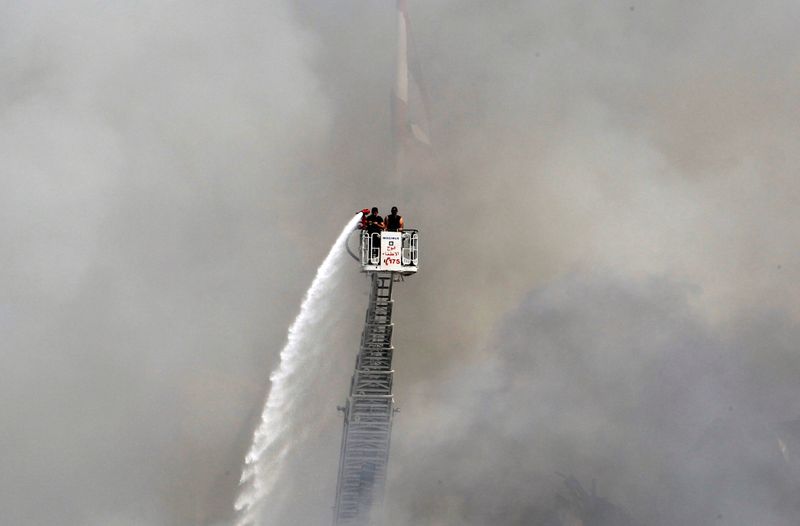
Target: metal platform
390	251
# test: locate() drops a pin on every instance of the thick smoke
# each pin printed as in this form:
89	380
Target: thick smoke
174	172
154	159
654	140
615	380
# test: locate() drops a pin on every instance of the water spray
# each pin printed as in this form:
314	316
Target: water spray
270	446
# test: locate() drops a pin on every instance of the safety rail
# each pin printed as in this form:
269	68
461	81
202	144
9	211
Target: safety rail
390	251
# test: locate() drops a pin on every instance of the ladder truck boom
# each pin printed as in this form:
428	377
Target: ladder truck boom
368	413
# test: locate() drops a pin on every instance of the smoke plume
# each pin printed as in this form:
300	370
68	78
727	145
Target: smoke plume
607	267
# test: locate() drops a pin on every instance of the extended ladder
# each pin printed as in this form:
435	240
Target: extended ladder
368	414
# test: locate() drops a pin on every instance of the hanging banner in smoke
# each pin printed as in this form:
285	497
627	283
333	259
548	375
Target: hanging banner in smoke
410	108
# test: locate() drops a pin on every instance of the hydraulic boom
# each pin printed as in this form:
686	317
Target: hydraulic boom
369	410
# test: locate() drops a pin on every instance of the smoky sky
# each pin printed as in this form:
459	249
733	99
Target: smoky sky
149	153
613	380
608	266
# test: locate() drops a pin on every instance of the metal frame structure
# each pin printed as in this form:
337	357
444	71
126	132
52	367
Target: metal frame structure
371	251
368	413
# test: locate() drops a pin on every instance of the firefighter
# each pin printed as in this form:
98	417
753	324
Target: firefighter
375	222
394	222
375	225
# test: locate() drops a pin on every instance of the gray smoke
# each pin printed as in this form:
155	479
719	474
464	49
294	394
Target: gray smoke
616	380
152	156
654	140
174	173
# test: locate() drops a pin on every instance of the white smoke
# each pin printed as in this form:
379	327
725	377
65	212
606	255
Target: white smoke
154	157
300	359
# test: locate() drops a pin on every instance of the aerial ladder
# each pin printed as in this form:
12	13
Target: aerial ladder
386	257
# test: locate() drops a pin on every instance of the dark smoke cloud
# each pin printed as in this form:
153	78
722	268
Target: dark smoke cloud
173	173
615	380
652	139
